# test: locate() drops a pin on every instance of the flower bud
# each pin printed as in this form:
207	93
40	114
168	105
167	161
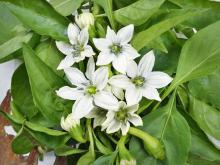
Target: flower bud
74	128
84	20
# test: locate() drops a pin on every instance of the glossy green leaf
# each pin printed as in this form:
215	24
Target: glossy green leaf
40	17
200	55
43	83
50	55
197	160
87	158
66	150
65	7
174	18
173	131
21	93
206	117
106	159
207	89
137	13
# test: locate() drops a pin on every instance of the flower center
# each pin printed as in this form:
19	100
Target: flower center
91	90
121	115
78	48
116	49
139	81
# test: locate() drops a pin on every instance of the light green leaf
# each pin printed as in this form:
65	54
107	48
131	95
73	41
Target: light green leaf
66	150
206	117
193	160
87	158
65	7
137	13
173	131
106	159
40	17
176	16
43	83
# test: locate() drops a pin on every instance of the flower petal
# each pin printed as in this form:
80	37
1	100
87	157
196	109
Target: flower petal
132	70
146	64
158	79
100	78
136	120
110	116
66	62
133	95
121	81
125	34
104	58
101	43
76	77
151	93
64	47
120	63
114	126
73	32
82	107
70	93
130	52
118	92
88	51
90	69
106	100
111	35
83	37
132	109
124	128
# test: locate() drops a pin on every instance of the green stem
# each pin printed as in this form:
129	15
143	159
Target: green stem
91	140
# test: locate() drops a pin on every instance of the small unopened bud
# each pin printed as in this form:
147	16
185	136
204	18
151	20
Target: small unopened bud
85	20
74	128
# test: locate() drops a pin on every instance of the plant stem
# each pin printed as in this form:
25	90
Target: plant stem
91	140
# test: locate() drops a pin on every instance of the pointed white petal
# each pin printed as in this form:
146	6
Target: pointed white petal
79	58
73	32
90	68
106	100
125	128
82	107
136	120
120	63
83	37
114	126
88	51
70	93
111	35
133	108
130	52
158	79
146	64
100	78
118	92
121	81
151	94
101	43
64	47
133	96
110	116
76	77
104	58
68	61
125	34
132	70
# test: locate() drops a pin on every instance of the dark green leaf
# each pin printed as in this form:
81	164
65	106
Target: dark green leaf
66	150
106	159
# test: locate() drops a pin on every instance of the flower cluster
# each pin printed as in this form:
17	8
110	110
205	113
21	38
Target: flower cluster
112	100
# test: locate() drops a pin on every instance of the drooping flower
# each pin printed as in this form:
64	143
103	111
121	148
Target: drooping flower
141	80
99	116
89	90
84	20
115	48
78	47
121	118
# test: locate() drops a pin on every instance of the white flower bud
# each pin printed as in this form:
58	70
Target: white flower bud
127	162
84	20
69	122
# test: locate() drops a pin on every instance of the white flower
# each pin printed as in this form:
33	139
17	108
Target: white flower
84	20
77	49
141	80
115	48
89	90
69	122
99	116
118	92
121	118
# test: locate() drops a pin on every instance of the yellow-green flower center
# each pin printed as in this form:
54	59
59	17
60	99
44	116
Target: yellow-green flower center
139	81
78	48
116	49
121	115
91	90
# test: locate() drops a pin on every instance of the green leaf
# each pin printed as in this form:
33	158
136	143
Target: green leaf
175	17
107	6
173	131
40	17
106	159
200	55
137	13
21	93
43	83
207	89
66	150
87	158
207	117
50	55
197	160
65	7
